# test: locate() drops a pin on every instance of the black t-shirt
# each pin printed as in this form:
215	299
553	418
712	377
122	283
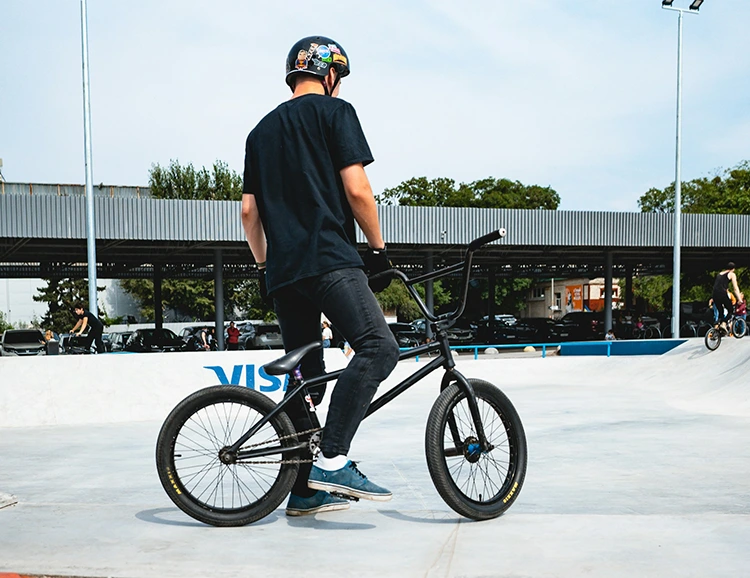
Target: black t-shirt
92	321
292	163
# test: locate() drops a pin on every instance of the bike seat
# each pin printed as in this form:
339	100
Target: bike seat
291	360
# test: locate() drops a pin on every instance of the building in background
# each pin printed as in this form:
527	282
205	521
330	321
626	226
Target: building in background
556	298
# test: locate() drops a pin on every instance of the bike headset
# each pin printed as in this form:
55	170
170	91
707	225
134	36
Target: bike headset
313	55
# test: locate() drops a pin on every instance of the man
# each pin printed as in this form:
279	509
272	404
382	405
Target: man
96	328
233	337
722	299
305	186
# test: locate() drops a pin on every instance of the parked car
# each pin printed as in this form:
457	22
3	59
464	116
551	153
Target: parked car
540	330
145	340
22	343
584	325
406	335
501	331
118	340
462	333
107	340
267	336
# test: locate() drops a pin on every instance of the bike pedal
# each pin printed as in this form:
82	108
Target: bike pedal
345	496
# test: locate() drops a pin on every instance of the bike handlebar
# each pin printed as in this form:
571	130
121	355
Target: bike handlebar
465	265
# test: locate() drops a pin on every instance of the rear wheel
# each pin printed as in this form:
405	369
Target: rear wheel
477	484
713	338
192	461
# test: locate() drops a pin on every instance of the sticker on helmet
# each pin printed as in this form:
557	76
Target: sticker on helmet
324	53
340	59
334	49
319	64
301	62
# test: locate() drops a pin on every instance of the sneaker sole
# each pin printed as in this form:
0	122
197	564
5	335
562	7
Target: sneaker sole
328	487
318	510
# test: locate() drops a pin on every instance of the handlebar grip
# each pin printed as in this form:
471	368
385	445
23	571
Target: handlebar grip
488	238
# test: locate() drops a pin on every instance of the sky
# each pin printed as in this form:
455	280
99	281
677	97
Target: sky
578	96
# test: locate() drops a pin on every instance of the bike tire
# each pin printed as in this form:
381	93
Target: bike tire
652	332
508	458
713	339
198	482
739	327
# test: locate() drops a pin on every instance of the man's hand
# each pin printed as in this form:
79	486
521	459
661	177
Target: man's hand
263	288
376	261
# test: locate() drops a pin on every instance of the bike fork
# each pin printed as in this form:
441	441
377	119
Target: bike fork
449	377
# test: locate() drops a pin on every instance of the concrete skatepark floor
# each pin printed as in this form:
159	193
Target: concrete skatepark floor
638	466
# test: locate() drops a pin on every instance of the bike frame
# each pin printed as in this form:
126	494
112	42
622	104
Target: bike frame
440	323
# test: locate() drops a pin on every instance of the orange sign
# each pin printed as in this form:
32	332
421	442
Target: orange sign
574	298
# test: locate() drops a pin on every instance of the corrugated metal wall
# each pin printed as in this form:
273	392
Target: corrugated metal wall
52	216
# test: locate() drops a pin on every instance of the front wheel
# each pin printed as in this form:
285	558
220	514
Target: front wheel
192	463
713	338
477	484
739	327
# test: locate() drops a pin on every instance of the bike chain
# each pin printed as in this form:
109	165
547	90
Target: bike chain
300	433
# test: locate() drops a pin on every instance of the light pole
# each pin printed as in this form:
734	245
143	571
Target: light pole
90	230
693	9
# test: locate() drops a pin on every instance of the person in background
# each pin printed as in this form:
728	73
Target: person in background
233	337
610	335
205	339
96	328
722	298
327	334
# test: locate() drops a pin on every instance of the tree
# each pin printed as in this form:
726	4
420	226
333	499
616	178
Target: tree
725	193
4	323
61	295
178	182
489	193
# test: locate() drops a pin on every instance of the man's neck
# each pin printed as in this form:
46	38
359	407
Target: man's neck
304	87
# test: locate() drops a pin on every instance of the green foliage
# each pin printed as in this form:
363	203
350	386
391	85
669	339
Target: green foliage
397	298
184	182
489	193
61	295
728	193
4	323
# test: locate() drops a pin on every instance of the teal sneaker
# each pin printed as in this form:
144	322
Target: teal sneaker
348	481
318	502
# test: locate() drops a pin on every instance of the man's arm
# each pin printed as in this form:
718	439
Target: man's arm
361	200
256	236
76	326
736	287
85	322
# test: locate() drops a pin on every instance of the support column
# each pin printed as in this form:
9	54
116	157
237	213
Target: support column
219	298
429	294
608	292
629	287
158	310
491	282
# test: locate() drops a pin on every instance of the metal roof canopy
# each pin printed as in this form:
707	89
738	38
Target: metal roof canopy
45	236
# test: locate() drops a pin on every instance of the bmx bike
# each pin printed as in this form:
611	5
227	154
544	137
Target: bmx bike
736	327
228	455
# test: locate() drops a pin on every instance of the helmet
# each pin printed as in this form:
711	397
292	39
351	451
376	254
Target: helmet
313	55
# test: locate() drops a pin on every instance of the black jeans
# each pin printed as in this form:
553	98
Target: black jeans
94	335
346	300
722	301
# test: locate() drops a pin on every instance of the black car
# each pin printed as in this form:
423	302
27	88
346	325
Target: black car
118	340
406	335
145	340
540	330
584	325
245	339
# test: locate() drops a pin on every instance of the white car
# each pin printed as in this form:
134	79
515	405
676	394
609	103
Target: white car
22	343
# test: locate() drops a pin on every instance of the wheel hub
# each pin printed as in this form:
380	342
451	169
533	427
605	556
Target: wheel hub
472	449
227	456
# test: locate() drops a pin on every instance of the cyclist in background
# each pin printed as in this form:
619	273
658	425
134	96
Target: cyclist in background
721	297
304	188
